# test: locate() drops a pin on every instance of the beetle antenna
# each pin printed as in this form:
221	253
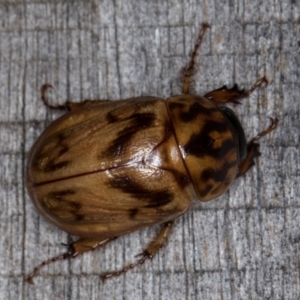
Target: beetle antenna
188	72
46	262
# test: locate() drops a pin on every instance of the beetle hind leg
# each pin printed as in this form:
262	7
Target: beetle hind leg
147	254
83	245
233	95
253	149
74	249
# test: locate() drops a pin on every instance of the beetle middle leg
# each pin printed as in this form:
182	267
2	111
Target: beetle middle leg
233	95
146	254
68	105
188	72
252	149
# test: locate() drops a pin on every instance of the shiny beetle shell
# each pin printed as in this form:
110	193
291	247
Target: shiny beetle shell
107	168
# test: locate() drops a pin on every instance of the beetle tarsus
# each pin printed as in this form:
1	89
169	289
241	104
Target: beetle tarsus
256	85
29	278
146	254
189	70
273	125
109	275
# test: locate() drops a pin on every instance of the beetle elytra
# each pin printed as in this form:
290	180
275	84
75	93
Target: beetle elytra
107	168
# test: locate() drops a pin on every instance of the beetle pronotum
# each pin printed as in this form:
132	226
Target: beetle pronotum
107	168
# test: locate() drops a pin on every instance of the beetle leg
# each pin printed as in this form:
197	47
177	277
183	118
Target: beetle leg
68	105
252	149
233	95
74	249
188	72
44	98
146	254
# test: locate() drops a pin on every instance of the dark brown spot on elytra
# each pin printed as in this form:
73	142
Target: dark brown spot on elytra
64	205
75	205
61	146
63	150
127	185
133	212
160	198
79	217
138	122
51	166
56	201
154	198
60	194
57	149
111	118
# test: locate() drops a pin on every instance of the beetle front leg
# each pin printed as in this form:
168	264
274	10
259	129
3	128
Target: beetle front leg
189	70
74	249
152	248
252	149
233	95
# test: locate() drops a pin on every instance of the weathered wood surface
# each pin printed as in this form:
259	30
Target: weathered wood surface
245	244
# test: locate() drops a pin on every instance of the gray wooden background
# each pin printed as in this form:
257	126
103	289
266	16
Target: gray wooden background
243	245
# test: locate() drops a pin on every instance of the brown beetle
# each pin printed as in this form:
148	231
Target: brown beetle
107	168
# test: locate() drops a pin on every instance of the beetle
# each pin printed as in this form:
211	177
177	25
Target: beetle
108	168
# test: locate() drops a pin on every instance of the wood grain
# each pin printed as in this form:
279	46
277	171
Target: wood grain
243	245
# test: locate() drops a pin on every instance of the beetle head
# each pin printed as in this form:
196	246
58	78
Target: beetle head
241	134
